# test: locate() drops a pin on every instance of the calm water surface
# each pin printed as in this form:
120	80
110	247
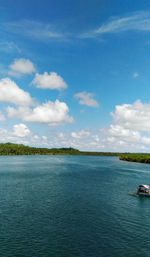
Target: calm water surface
72	206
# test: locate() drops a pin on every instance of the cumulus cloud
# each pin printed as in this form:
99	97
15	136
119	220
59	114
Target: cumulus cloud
2	116
83	140
11	93
86	98
117	131
80	134
21	67
20	134
134	116
49	81
96	138
130	130
21	130
61	135
145	140
44	138
49	112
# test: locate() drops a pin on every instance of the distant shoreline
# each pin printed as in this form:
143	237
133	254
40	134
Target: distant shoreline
135	157
10	149
20	149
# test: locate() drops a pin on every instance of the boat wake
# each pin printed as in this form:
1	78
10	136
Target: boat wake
134	194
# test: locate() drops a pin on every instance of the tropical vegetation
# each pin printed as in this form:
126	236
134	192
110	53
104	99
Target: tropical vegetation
135	157
20	149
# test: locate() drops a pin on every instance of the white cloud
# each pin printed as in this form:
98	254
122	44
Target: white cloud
137	21
145	140
9	47
2	116
34	29
80	134
117	131
5	136
9	136
96	138
86	98
82	140
44	138
21	130
130	130
21	67
61	135
134	116
49	112
49	81
11	93
45	32
20	134
36	137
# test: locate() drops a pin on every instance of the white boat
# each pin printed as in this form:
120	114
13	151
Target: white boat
143	190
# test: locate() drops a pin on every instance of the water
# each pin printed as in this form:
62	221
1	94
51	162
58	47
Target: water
72	206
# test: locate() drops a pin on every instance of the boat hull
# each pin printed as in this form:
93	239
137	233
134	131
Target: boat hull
143	194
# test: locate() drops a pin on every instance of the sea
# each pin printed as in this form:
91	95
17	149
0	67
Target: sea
73	206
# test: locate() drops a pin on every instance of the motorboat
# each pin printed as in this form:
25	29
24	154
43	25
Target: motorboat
143	190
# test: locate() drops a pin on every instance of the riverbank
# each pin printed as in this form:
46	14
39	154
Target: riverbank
19	149
135	157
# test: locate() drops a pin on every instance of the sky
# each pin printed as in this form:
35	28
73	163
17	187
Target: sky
75	74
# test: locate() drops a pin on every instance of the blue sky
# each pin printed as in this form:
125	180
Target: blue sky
75	73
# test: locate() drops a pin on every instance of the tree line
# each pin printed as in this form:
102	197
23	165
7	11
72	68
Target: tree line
20	149
135	157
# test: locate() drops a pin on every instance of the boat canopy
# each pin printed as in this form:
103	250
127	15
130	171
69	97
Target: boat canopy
145	186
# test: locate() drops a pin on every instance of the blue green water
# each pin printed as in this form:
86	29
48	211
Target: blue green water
72	206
